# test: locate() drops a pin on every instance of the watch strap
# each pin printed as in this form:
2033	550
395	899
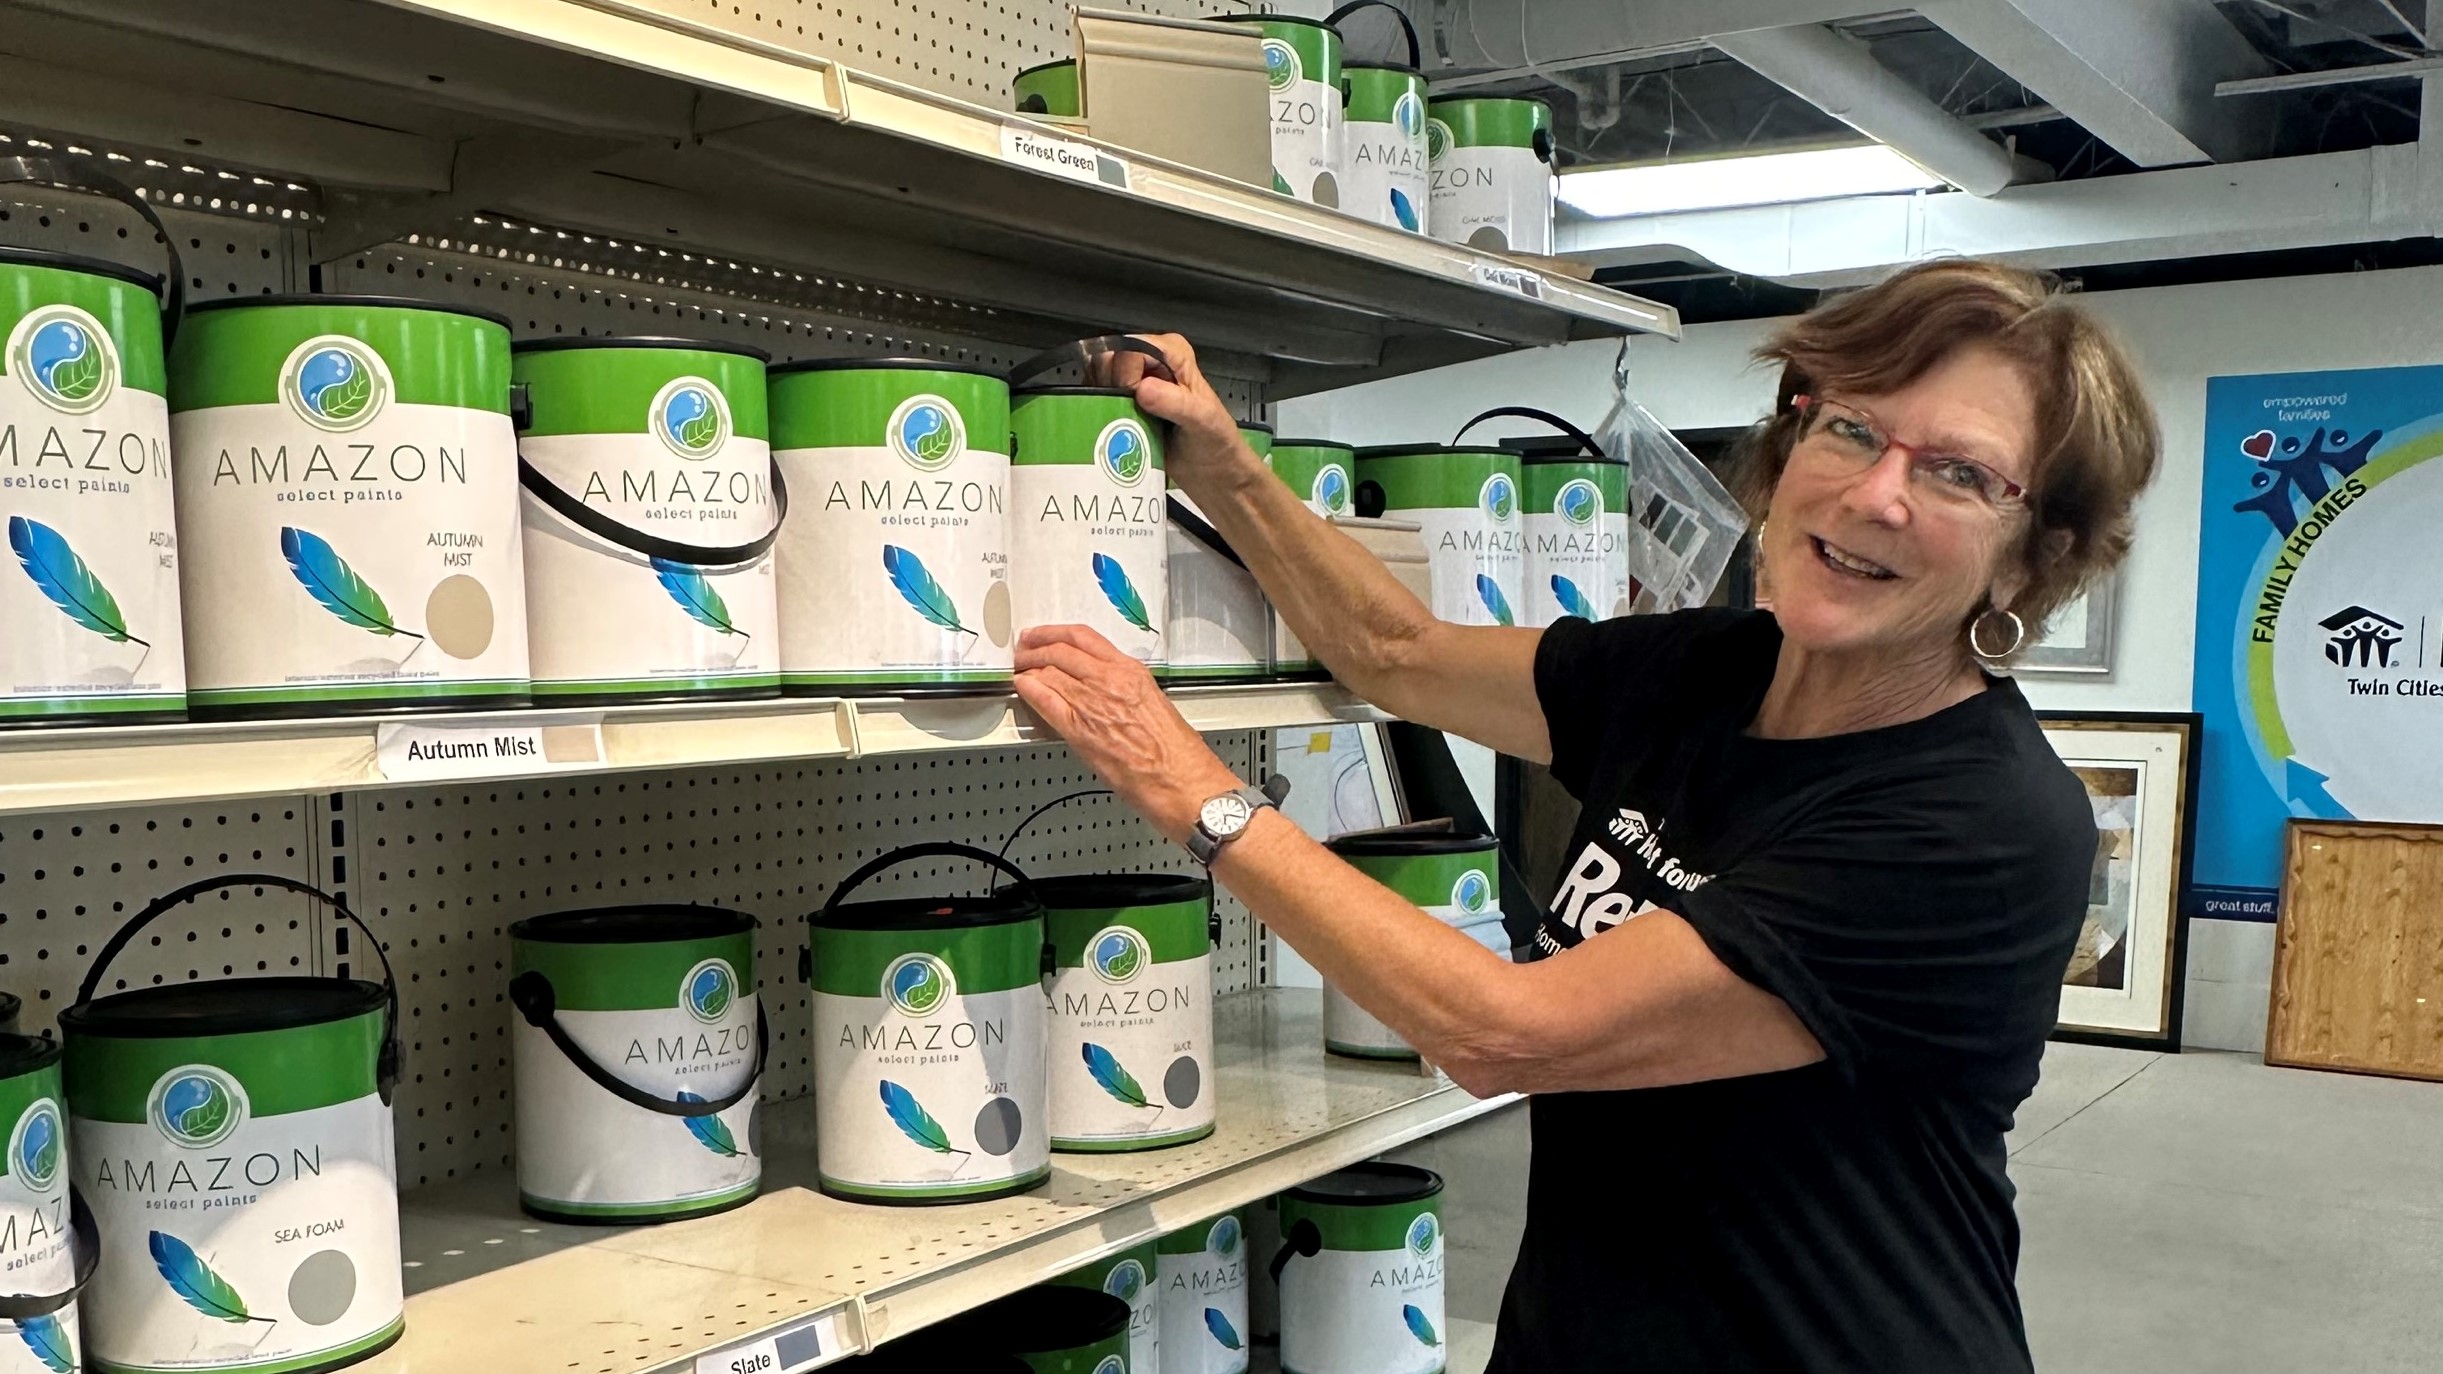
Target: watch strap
1204	846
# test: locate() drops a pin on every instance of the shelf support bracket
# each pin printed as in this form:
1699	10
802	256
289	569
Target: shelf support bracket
483	171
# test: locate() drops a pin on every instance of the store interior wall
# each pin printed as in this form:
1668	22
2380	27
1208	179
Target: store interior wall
2180	336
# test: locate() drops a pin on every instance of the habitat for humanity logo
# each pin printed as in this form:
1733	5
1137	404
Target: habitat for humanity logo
1499	497
1117	954
65	358
196	1106
2360	638
1331	490
1472	893
1629	826
1123	451
34	1146
709	989
1281	65
1408	114
1578	502
927	433
335	383
918	984
691	417
1423	1234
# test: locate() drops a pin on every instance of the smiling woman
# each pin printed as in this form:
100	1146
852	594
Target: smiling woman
1835	869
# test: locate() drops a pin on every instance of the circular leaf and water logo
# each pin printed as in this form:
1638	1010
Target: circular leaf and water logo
1408	114
1499	497
1281	65
691	417
1579	502
1472	893
927	433
36	1146
1438	140
65	358
708	990
918	984
1112	1364
1125	1281
1123	451
336	383
1424	1234
1331	490
196	1106
1117	954
1223	1239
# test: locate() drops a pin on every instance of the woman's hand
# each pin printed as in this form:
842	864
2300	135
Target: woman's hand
1105	704
1204	440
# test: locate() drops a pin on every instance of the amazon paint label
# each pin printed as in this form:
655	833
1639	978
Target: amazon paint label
1086	550
1492	196
1202	1275
1478	561
89	585
1132	1045
1362	1312
584	1152
236	1241
34	1247
1566	569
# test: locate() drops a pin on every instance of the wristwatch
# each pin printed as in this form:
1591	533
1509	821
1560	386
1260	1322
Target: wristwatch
1224	818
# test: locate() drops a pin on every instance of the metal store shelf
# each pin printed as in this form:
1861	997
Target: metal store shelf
614	118
494	1290
69	767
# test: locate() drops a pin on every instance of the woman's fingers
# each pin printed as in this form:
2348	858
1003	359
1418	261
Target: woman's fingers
1047	692
1082	638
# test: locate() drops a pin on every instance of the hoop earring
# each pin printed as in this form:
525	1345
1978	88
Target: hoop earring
2018	635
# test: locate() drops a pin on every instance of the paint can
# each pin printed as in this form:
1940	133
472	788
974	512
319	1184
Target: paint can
1257	435
894	574
1131	1031
1491	163
39	1214
1048	88
1323	474
1569	556
1087	538
1360	1271
347	501
1055	1329
1382	141
1128	1276
1302	63
651	506
1453	878
1219	623
637	1056
1202	1276
929	1040
1465	498
271	1098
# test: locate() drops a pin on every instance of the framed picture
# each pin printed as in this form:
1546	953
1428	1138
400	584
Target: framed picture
2078	639
2123	986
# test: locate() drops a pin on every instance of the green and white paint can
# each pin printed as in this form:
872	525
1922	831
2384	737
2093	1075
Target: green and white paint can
929	1041
1491	162
894	568
1324	475
1049	88
1382	141
1453	878
1220	625
637	1056
1054	1328
89	592
1128	1276
1302	63
1258	436
347	501
234	1139
651	506
1087	538
1202	1275
1570	553
38	1323
1131	1038
1466	499
1360	1271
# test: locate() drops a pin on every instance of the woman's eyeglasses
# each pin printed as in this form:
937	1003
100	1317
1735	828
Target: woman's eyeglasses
1851	437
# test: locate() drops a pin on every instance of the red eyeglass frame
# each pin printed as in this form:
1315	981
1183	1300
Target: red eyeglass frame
2017	494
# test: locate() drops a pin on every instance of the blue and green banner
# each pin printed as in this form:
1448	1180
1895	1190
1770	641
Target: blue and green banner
2319	656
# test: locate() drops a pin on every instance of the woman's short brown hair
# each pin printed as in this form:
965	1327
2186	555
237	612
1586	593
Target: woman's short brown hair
2096	442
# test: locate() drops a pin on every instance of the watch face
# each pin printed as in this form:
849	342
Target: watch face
1224	815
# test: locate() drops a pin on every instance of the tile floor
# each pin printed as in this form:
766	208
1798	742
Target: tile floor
2196	1213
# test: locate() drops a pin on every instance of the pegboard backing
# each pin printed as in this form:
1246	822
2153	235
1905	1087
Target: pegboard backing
440	873
68	881
221	255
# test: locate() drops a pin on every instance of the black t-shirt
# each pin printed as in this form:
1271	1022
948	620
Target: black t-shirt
1913	894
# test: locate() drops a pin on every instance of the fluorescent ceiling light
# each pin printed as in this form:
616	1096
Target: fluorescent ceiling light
1766	179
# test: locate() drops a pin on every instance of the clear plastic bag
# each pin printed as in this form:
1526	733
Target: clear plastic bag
1683	524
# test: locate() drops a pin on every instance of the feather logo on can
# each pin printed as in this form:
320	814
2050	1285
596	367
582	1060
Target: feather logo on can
927	433
691	417
336	383
65	358
196	1106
